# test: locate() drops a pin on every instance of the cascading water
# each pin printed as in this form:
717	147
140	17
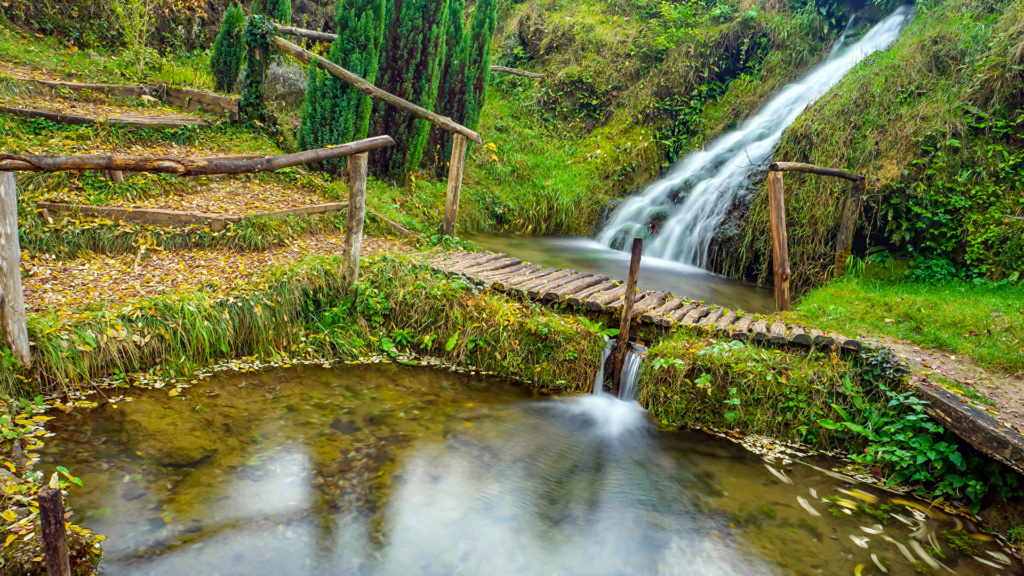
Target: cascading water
681	212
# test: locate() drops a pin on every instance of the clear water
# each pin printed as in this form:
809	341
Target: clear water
394	470
680	213
586	255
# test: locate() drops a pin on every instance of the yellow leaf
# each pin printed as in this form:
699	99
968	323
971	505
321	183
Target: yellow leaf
11	466
10	516
10	539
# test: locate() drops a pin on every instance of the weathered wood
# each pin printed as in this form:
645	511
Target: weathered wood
780	244
562	292
777	334
54	532
580	298
444	258
797	335
678	316
848	226
13	322
598	301
695	315
372	91
722	326
821	340
524	268
974	425
538	291
848	343
516	72
196	99
187	166
616	306
524	278
812	169
741	329
455	169
109	90
651	316
759	330
357	171
651	301
302	211
523	289
464	267
495	266
147	216
304	33
150	121
712	318
622	342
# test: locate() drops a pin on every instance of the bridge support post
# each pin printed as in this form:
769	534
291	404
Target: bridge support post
622	342
456	167
12	300
356	218
851	211
780	243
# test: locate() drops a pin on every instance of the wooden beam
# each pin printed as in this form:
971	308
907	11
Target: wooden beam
372	91
812	169
55	537
152	121
622	342
847	228
455	171
780	244
195	99
304	33
357	168
13	322
186	166
516	72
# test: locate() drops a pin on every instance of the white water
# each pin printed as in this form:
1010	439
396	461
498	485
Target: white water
694	197
613	416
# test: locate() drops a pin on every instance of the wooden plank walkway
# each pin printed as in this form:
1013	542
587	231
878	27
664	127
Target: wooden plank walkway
597	293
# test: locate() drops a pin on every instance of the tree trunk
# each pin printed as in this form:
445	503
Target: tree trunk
55	537
12	299
622	344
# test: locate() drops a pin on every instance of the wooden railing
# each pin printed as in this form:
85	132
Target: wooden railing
777	214
12	300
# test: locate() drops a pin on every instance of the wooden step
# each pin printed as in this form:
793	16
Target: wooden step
777	334
741	329
799	336
579	299
493	266
598	301
537	291
722	326
712	318
759	330
678	315
651	316
562	292
652	301
695	315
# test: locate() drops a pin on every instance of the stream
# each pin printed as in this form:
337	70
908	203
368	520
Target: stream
392	469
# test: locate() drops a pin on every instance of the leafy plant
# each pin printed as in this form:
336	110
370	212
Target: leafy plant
228	49
136	22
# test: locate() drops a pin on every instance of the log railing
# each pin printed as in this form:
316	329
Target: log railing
461	134
777	215
12	300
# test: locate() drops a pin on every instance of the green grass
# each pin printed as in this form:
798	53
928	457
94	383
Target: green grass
956	317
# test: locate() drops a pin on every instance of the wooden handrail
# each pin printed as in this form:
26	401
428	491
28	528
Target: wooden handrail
186	166
372	91
304	33
812	169
516	72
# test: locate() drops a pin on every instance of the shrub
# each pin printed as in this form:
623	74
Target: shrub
278	10
136	22
228	49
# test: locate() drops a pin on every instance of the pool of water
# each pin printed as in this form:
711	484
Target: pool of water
396	470
586	255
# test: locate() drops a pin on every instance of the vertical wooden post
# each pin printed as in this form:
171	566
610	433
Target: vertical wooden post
780	244
356	218
55	538
622	343
851	210
12	299
455	169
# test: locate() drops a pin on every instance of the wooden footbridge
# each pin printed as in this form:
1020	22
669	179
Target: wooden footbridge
597	293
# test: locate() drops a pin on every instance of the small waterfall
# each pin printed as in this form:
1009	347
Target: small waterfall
599	379
842	38
682	211
628	390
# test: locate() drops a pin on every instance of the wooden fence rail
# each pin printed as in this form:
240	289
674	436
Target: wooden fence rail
777	214
13	323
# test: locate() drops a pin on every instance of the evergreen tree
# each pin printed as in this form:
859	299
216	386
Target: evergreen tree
412	55
451	90
334	112
278	10
478	67
228	49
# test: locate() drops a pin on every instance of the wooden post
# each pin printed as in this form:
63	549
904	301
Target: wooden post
12	300
622	343
55	538
356	217
780	244
851	210
456	167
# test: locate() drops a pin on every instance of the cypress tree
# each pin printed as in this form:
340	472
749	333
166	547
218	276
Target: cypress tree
412	55
278	10
334	112
228	49
478	67
451	90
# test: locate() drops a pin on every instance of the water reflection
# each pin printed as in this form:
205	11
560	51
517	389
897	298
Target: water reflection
391	470
586	255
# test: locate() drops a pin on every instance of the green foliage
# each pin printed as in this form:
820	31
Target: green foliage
451	96
411	56
252	105
228	49
277	10
334	112
136	22
478	64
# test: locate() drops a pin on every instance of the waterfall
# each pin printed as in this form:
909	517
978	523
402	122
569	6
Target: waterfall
680	213
599	379
628	390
